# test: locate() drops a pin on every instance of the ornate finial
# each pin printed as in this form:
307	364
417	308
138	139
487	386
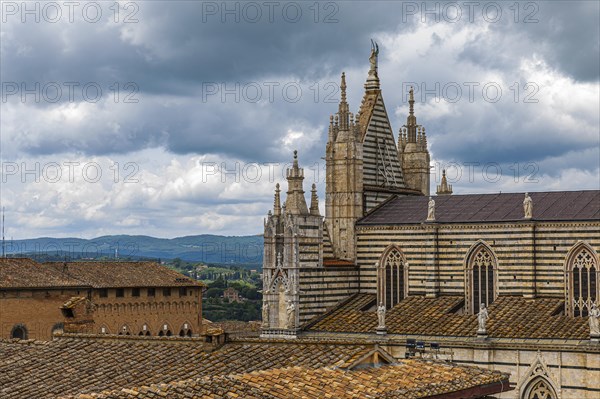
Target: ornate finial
343	108
374	54
277	201
411	120
295	154
373	78
444	188
314	201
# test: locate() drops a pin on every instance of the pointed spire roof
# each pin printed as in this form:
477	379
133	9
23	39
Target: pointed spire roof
444	188
372	90
277	201
343	111
314	201
295	204
381	166
411	120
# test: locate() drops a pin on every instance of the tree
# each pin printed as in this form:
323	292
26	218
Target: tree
177	263
214	292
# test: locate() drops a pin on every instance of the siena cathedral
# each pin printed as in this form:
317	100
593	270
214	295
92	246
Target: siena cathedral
505	281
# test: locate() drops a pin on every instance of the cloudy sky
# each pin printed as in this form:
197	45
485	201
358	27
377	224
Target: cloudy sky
178	118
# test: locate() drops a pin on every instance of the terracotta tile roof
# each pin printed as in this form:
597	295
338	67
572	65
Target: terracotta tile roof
406	380
70	366
27	273
337	262
509	317
111	274
501	207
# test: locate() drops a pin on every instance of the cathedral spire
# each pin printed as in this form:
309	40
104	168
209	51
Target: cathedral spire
277	202
343	108
314	201
444	188
411	120
295	204
411	101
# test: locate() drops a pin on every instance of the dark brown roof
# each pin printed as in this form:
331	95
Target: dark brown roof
509	317
110	274
409	379
27	273
501	207
139	368
70	366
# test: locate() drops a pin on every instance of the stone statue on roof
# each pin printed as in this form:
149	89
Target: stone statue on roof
265	315
381	315
482	318
374	54
528	206
594	324
291	315
431	210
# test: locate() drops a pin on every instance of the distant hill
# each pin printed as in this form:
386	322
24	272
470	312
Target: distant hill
201	248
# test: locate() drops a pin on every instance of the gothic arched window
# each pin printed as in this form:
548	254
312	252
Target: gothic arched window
539	388
481	268
582	275
391	278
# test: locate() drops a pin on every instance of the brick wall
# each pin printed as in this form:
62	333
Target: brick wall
38	310
113	313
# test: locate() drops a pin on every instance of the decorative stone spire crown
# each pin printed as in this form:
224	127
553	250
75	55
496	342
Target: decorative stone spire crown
277	201
411	120
373	78
295	204
314	201
444	188
343	107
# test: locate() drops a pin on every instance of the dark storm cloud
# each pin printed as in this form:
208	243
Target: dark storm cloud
178	47
171	48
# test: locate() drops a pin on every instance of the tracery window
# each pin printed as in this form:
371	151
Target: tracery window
583	281
481	278
539	389
391	280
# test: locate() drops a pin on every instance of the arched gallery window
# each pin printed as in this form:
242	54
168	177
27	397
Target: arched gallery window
480	278
582	276
186	330
391	277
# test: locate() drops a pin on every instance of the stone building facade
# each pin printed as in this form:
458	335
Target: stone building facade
127	298
444	266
